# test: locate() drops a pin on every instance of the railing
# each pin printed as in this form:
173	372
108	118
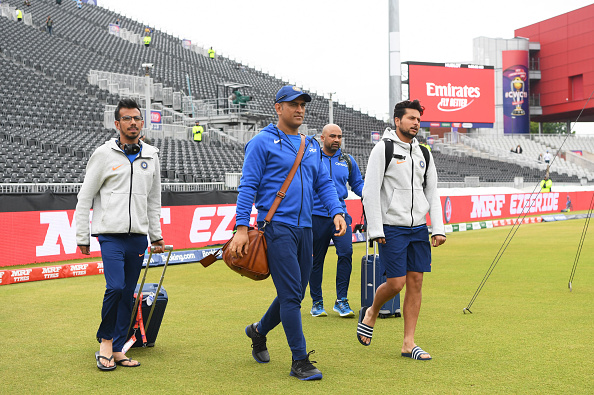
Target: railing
75	187
214	107
8	11
179	132
535	100
233	178
124	34
234	135
28	19
534	64
121	83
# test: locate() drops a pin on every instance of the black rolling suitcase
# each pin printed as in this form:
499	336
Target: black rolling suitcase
160	301
147	315
373	274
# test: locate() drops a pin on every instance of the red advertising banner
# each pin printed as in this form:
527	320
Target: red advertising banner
453	92
50	272
470	208
50	236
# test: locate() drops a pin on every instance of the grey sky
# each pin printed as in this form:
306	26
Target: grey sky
339	46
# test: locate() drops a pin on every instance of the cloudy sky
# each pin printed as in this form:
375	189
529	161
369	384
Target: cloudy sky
339	46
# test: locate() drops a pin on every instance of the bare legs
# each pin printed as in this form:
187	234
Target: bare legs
411	306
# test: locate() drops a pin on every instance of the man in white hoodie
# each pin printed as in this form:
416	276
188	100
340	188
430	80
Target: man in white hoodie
123	186
400	189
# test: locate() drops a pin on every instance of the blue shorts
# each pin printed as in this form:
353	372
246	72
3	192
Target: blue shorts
406	250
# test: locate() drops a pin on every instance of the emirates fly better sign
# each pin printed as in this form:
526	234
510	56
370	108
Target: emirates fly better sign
453	93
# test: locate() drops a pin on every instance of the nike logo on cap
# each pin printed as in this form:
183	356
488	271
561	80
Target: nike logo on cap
116	167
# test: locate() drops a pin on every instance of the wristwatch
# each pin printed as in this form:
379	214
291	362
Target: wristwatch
343	215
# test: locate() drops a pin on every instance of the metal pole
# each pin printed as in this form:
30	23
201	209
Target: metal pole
330	110
147	94
394	43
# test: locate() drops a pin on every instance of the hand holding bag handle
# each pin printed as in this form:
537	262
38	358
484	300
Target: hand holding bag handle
254	264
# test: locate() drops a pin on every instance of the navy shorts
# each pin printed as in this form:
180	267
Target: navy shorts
406	250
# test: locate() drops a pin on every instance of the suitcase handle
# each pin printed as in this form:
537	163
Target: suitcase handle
151	250
166	248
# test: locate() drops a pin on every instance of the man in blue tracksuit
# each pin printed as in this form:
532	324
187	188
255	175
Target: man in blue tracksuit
343	168
268	158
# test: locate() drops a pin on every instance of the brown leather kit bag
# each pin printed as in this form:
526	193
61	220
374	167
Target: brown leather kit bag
254	264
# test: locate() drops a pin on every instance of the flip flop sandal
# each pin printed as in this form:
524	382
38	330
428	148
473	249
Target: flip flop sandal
100	365
416	354
363	329
126	360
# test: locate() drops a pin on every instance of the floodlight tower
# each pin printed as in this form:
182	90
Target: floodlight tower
394	43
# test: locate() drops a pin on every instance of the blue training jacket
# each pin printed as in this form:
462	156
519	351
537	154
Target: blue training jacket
269	157
339	172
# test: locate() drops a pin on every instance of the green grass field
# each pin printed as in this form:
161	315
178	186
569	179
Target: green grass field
528	333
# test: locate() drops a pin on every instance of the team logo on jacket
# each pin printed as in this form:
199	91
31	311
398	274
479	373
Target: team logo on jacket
312	150
422	164
448	210
144	165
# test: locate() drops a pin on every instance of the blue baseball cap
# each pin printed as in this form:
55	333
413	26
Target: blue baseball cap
290	93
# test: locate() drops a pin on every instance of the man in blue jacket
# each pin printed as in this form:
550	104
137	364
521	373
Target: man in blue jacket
268	158
343	168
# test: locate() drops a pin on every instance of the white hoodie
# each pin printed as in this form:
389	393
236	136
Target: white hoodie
125	197
397	197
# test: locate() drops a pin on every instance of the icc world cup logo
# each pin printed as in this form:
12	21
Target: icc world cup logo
517	79
517	87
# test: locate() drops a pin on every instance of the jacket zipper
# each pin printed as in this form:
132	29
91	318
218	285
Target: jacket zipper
301	205
301	178
130	197
330	166
412	187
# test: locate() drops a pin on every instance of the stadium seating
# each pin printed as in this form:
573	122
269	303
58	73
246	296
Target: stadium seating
533	146
51	118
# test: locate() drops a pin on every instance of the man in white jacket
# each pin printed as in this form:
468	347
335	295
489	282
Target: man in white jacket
397	197
123	186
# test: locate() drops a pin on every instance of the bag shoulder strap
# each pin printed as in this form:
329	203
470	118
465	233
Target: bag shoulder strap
280	195
389	145
346	157
425	151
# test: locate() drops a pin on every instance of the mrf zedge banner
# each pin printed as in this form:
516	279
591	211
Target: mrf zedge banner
453	93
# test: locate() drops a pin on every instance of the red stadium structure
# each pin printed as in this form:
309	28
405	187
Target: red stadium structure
565	61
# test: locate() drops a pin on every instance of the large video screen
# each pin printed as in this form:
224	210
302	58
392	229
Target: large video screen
453	92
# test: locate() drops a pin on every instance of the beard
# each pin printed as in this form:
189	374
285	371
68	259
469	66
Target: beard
409	133
331	148
133	134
